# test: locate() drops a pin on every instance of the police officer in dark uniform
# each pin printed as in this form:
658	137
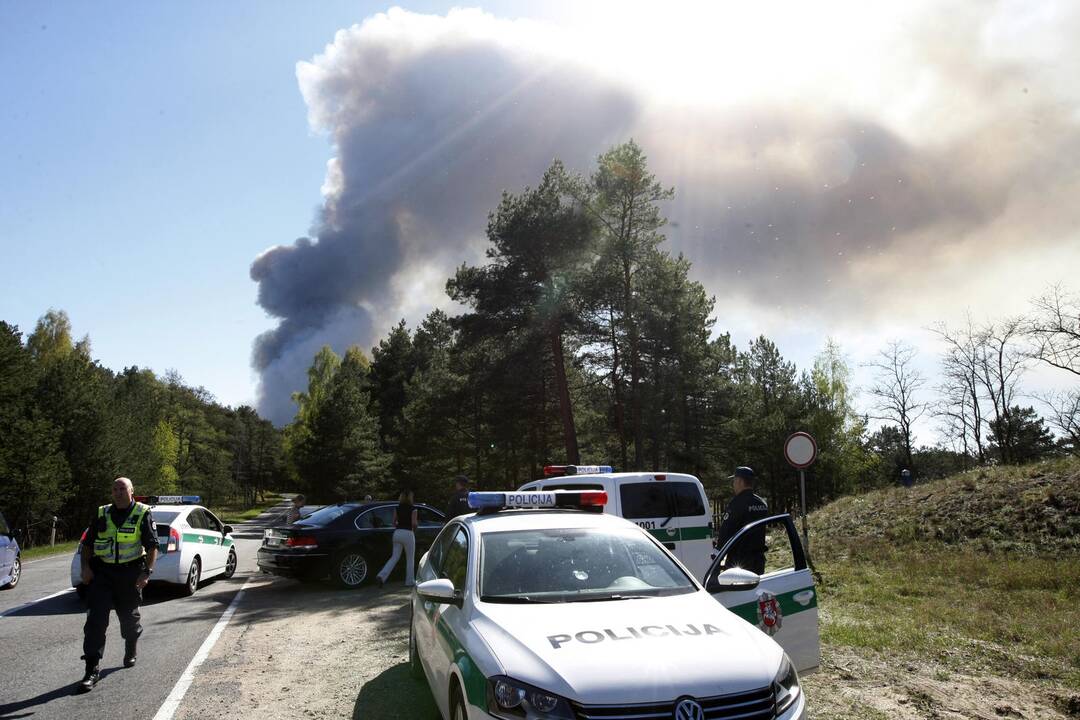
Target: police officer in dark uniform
459	501
118	557
744	508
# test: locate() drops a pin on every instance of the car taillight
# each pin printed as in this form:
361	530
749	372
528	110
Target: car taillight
301	541
174	540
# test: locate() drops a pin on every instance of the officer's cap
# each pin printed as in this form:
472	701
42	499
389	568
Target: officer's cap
744	472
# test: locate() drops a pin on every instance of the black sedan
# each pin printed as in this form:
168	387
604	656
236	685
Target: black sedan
350	542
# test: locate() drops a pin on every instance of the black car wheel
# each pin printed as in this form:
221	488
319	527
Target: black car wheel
230	564
16	572
351	569
192	583
457	705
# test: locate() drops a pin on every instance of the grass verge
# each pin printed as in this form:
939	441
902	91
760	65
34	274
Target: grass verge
236	512
998	613
43	551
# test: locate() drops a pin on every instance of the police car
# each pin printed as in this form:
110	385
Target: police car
535	607
193	545
672	506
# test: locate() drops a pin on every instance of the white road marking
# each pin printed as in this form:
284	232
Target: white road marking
172	703
25	605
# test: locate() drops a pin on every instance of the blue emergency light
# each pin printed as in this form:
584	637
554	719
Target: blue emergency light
558	470
169	499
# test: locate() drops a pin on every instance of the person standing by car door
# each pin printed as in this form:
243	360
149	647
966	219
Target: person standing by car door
744	508
459	501
118	557
405	521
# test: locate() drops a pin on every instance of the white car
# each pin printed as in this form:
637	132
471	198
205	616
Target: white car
569	614
193	545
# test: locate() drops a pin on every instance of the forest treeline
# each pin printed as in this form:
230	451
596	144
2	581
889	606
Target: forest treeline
585	340
582	340
69	426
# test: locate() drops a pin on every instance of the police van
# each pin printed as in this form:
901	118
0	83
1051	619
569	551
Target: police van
540	605
193	544
671	506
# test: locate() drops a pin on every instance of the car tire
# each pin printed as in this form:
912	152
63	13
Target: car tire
415	668
16	573
457	704
351	569
193	575
230	564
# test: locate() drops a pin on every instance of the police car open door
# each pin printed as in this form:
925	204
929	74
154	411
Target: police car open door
782	602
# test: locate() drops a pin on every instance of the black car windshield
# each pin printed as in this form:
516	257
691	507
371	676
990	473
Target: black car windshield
325	516
576	564
163	516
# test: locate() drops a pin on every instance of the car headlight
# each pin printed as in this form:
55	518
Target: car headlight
786	685
509	698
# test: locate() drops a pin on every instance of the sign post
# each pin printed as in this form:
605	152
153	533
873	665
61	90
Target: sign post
800	449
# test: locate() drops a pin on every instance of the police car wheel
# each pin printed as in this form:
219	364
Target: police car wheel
351	569
457	705
192	583
16	572
230	564
414	660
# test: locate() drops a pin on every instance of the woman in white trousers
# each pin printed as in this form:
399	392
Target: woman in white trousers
404	539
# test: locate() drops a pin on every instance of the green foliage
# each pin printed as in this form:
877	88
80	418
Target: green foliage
334	443
68	427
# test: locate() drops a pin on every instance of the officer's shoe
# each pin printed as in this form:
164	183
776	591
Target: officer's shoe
90	679
129	653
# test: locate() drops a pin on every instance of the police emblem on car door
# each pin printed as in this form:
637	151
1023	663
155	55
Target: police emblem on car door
782	602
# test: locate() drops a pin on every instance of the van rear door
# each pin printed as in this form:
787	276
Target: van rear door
649	504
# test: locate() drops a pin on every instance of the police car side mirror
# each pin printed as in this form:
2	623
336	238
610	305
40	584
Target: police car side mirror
227	529
439	591
734	579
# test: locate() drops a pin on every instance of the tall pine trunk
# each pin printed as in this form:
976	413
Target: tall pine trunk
565	409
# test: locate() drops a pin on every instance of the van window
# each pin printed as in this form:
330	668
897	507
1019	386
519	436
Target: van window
687	499
644	500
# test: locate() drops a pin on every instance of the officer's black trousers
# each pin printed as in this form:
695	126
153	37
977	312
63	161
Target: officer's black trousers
113	586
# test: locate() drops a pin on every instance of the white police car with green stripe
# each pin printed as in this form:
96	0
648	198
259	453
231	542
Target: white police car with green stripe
673	507
193	544
569	614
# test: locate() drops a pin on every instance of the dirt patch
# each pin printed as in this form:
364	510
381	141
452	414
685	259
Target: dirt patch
311	651
856	684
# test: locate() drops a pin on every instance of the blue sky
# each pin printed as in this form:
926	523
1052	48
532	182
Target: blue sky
150	152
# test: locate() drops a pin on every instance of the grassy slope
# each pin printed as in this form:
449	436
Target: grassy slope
976	573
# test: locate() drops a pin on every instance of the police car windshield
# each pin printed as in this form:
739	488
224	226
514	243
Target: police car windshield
326	515
575	564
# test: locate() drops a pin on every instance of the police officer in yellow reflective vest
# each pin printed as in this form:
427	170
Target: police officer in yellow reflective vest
118	557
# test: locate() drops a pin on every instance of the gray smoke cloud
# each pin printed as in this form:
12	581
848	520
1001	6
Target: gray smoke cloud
431	117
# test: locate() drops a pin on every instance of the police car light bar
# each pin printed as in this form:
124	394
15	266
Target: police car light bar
169	499
490	501
558	470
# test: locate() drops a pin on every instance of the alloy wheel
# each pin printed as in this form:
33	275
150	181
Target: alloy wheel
352	569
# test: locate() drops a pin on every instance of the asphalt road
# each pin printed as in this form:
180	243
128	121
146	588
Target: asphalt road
41	641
